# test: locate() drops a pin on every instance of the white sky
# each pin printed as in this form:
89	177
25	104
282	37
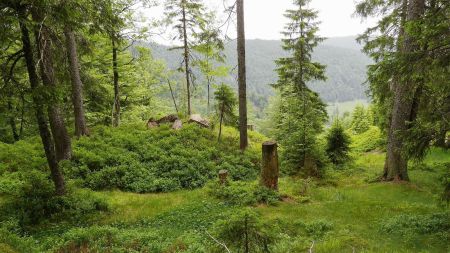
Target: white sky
264	18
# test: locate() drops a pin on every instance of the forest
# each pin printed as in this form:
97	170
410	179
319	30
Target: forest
113	141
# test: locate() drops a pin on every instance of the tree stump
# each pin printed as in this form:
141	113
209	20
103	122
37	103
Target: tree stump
270	169
223	177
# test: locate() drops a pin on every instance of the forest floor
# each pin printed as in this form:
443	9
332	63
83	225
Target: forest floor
350	214
344	212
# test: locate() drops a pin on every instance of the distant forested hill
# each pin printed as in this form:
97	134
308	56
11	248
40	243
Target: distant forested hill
346	68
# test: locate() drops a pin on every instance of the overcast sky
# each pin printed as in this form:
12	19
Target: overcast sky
264	18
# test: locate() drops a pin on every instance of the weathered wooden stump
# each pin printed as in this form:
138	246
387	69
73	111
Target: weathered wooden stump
223	176
270	169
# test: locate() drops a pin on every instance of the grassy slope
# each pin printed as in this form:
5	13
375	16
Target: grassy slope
353	207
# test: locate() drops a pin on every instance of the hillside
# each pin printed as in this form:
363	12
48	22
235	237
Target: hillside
346	68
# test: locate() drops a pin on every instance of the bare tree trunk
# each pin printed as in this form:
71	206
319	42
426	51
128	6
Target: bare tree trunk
403	108
186	56
61	137
46	138
221	120
77	86
116	112
242	76
173	97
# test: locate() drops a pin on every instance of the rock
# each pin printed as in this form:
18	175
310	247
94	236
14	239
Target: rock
168	119
151	123
177	125
196	118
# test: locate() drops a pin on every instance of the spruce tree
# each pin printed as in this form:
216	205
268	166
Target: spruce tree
226	102
188	20
302	112
338	144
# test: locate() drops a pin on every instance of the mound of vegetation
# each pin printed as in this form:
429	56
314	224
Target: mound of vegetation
132	158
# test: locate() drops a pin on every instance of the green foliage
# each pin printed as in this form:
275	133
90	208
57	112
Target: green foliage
32	199
301	111
243	193
225	106
370	140
338	144
132	158
422	224
244	231
361	119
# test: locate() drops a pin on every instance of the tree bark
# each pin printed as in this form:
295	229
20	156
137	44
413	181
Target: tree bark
77	86
116	109
186	56
46	138
242	76
61	137
269	169
173	96
11	118
396	167
221	120
395	82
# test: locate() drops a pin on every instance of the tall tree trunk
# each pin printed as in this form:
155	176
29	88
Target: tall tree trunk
46	138
186	56
222	109
395	82
242	76
77	86
61	137
116	112
397	164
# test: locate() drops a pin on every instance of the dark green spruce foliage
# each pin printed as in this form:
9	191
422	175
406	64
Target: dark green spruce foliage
302	112
225	106
338	144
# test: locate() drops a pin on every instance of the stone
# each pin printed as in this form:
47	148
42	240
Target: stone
151	123
177	125
168	119
196	118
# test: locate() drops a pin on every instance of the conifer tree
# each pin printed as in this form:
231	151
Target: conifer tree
409	46
302	111
188	19
338	144
226	102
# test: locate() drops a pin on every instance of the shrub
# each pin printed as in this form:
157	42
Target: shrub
243	193
370	140
422	224
338	144
244	230
156	160
32	199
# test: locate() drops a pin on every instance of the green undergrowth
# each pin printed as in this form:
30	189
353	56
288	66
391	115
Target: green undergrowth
133	158
346	211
